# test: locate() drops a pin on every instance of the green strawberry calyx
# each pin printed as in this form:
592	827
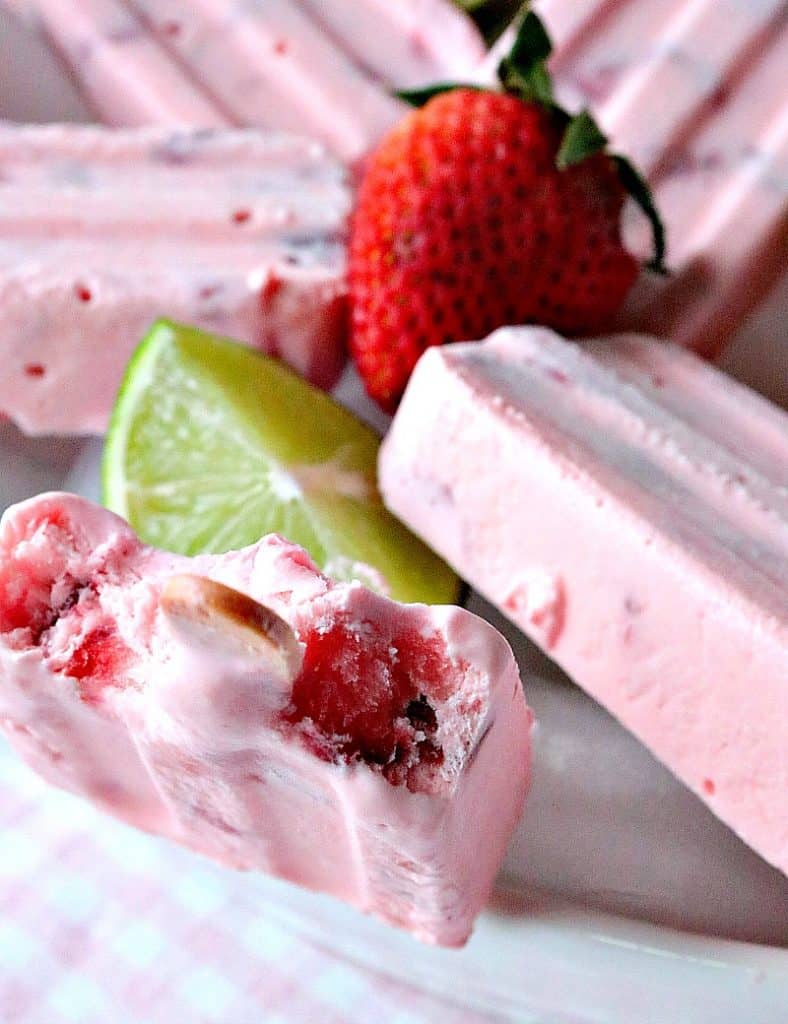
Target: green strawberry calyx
524	73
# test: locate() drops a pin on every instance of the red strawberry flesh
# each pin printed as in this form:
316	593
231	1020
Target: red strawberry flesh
464	223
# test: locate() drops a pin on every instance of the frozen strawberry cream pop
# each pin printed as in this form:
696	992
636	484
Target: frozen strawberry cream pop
325	67
102	232
627	506
694	93
249	708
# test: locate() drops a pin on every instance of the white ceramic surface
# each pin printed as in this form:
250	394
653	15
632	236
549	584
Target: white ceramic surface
614	865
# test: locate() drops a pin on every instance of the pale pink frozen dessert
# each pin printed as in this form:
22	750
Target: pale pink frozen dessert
627	506
246	706
695	93
325	67
103	232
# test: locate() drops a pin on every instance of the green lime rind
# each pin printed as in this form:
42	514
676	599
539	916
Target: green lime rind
212	445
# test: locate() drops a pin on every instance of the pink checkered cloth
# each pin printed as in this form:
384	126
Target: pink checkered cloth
100	924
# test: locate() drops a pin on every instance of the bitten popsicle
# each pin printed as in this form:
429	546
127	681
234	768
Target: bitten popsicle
327	68
694	92
248	707
626	505
102	232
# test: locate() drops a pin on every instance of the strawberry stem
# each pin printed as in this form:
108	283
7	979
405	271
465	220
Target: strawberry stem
523	71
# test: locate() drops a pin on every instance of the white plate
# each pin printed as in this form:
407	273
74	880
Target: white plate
622	898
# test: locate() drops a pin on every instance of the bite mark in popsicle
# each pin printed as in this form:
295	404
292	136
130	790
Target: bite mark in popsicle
263	715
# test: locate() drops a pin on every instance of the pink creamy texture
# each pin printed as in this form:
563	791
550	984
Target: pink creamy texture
694	92
389	770
627	506
103	232
325	67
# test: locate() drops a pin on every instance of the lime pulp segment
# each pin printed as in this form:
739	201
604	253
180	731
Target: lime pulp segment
212	445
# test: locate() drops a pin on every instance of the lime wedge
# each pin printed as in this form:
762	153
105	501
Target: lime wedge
212	445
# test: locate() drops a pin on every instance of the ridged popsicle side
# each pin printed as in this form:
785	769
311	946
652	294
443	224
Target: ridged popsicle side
102	232
645	553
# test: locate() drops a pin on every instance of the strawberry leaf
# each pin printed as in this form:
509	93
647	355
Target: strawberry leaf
635	184
532	43
524	71
582	138
421	97
492	17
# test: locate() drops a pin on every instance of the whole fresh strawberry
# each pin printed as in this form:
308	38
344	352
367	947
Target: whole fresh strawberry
487	208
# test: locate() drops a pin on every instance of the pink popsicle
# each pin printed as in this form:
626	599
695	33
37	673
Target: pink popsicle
251	709
126	77
323	68
102	232
627	506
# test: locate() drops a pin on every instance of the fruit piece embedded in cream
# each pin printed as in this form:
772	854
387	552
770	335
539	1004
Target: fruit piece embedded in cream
249	708
102	232
695	93
326	68
626	505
